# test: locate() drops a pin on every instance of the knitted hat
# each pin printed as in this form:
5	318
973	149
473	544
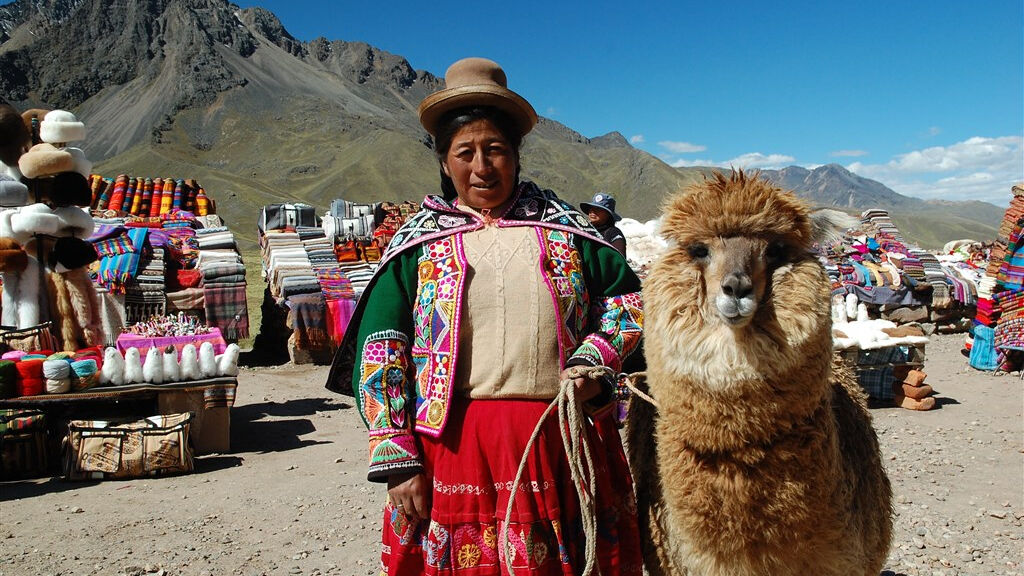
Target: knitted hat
60	126
12	257
476	82
14	137
12	192
45	160
72	253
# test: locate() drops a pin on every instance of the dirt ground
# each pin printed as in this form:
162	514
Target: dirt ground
292	498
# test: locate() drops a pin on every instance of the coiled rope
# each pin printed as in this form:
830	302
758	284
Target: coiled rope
577	451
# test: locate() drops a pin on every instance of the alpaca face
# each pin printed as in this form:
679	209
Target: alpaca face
735	297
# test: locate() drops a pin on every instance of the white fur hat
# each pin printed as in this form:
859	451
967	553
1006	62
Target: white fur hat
81	164
12	192
45	159
34	219
74	221
61	126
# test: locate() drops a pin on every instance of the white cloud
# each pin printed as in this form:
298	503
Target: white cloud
838	153
681	147
759	160
978	168
637	139
685	163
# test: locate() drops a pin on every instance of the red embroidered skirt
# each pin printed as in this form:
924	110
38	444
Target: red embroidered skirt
473	466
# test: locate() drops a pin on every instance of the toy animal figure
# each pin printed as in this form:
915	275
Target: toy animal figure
112	372
227	363
761	459
133	367
190	363
172	372
207	360
153	368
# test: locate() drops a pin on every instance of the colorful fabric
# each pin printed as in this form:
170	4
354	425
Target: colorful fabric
226	309
473	475
384	374
116	271
307	317
115	246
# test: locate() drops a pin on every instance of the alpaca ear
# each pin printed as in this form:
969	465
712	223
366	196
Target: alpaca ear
827	225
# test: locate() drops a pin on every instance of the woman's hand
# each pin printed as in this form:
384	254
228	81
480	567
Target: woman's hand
410	494
586	388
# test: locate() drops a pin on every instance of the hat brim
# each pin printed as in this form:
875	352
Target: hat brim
587	206
441	102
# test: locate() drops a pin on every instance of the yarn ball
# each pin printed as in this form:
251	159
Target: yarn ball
8	379
58	386
14	355
86	375
30	377
59	369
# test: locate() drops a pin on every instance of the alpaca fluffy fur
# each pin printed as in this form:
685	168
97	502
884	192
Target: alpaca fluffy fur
763	460
227	363
207	360
153	367
133	366
112	372
172	371
190	363
20	299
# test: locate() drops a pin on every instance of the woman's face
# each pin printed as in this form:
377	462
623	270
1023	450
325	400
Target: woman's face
482	165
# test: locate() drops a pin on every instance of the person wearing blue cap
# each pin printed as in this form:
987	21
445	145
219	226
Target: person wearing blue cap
601	211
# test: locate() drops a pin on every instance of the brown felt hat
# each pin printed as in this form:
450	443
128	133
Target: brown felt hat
12	257
476	82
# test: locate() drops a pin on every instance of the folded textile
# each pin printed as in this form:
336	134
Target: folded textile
226	309
307	316
214	270
229	279
187	299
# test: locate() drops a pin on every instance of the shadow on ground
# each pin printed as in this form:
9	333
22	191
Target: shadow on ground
277	426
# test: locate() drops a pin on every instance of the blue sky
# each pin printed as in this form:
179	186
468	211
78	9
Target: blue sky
925	97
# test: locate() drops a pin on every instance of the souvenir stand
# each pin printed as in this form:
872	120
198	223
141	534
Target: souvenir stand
996	340
167	294
316	269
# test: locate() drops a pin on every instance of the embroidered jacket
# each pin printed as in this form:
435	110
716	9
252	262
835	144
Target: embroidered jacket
402	345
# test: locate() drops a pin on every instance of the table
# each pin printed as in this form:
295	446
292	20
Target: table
210	400
144	343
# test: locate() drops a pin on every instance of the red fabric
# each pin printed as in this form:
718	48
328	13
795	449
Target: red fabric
473	465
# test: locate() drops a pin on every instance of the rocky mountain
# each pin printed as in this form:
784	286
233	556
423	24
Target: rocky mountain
930	223
204	89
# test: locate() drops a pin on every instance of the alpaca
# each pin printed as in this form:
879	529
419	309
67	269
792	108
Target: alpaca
112	372
133	366
207	360
153	367
172	371
761	459
227	363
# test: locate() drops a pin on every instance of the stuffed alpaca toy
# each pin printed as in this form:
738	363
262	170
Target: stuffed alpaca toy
227	363
172	372
153	367
112	372
190	363
207	360
133	366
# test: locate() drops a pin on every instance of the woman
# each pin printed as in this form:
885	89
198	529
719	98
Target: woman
481	303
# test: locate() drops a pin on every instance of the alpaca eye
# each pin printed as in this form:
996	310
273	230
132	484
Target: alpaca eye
698	251
776	251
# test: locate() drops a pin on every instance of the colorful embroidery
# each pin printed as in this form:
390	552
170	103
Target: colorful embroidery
382	389
435	317
620	329
563	273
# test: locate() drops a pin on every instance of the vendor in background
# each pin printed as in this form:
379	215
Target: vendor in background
601	211
483	301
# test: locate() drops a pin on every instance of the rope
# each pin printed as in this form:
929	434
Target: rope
629	381
581	464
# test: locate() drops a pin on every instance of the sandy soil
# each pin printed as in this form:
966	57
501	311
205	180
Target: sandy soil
291	497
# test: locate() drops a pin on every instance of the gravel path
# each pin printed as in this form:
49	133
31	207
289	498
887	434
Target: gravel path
292	496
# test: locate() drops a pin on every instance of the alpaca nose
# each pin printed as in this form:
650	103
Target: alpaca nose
737	285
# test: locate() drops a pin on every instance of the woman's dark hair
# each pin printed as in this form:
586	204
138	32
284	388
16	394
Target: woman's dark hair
450	123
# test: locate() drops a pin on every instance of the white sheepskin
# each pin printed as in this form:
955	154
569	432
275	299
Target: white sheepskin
153	368
34	219
868	335
112	372
851	305
74	221
190	363
20	298
172	372
133	366
227	363
207	360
